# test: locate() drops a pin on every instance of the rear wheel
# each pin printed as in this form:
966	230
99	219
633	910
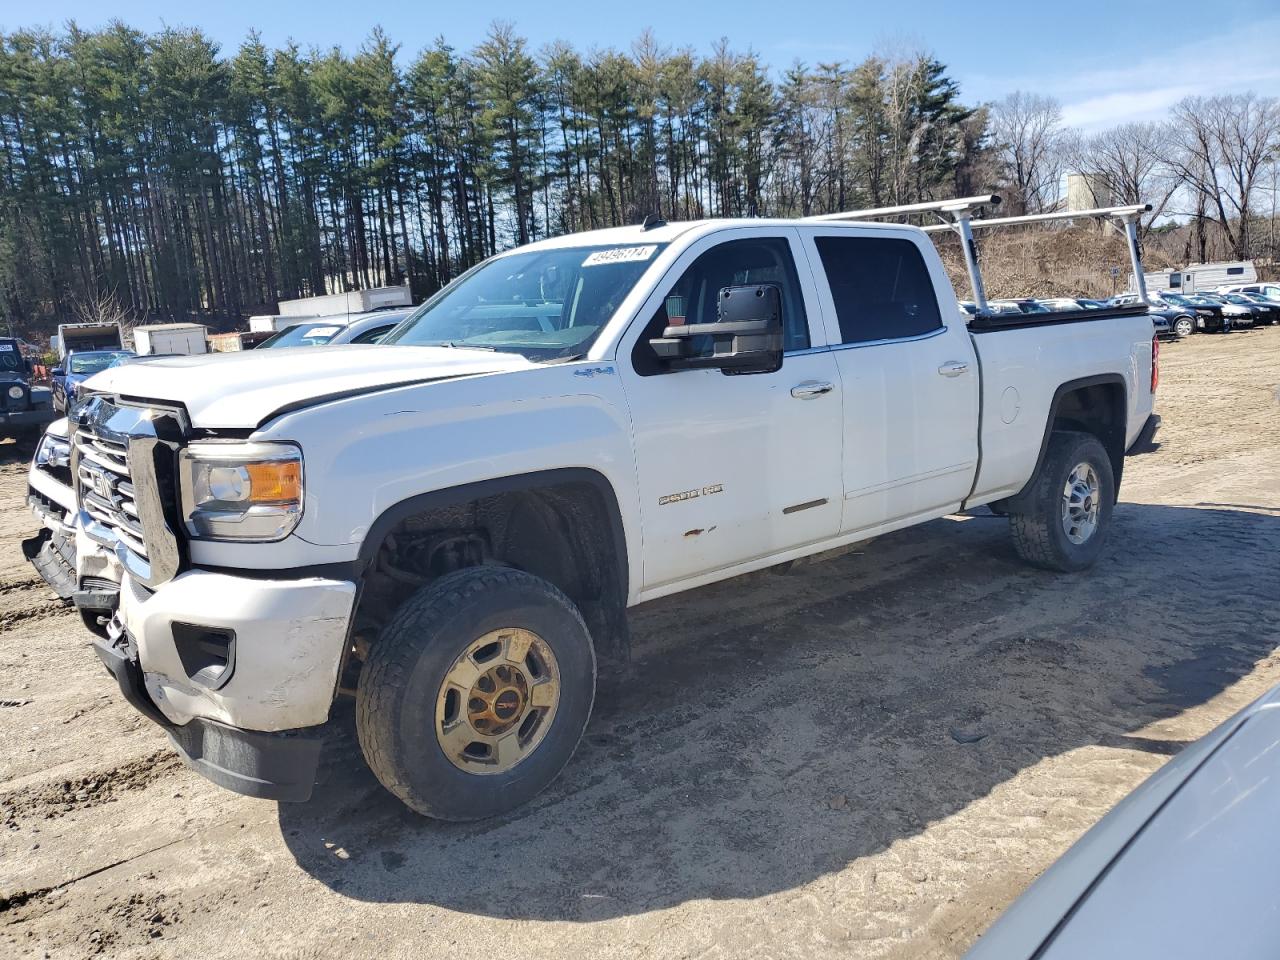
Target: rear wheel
1183	326
476	695
1068	510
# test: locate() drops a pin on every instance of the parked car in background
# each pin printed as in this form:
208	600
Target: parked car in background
1209	316
1241	317
24	407
331	331
78	569
1170	320
1270	291
78	367
1182	867
1265	312
1177	322
1019	305
52	499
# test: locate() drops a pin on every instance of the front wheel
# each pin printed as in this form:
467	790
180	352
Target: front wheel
1183	327
476	694
1068	509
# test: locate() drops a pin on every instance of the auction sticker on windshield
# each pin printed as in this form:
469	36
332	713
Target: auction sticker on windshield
619	255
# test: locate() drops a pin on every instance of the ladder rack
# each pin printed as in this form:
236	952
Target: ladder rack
960	211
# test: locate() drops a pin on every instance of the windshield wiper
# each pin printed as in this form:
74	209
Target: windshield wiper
461	345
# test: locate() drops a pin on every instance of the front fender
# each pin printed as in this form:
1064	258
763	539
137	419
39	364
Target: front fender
365	455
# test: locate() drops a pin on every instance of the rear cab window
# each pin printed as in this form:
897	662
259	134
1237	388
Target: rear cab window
880	287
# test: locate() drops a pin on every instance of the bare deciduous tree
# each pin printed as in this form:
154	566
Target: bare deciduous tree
1128	161
1221	147
1027	131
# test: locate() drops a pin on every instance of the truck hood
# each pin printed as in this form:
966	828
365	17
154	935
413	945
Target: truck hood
247	389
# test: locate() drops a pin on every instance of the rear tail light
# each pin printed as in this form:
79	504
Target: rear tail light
1155	363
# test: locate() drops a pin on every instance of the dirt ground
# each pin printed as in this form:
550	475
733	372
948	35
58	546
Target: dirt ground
867	757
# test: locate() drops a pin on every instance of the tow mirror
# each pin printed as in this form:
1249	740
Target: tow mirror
746	337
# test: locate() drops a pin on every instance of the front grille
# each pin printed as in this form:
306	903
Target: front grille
106	488
124	459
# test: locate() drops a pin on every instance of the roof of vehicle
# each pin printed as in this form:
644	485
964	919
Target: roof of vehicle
666	232
348	319
369	322
167	326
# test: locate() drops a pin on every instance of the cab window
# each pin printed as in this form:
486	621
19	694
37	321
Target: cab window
881	288
693	298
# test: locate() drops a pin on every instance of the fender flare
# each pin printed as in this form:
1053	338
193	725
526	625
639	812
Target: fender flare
607	619
1070	386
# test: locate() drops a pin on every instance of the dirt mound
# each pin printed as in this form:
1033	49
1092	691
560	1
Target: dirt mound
1036	261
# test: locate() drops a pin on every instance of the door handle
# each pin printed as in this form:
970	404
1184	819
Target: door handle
811	388
953	368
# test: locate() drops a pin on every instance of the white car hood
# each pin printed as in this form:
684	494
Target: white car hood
246	389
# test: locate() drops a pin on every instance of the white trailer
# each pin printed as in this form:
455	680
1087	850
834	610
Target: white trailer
1200	277
352	302
183	338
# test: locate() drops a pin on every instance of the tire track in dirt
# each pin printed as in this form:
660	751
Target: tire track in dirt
50	801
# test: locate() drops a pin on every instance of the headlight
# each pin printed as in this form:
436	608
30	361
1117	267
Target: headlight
53	451
15	392
241	490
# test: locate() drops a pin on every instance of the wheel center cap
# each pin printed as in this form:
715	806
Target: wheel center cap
507	703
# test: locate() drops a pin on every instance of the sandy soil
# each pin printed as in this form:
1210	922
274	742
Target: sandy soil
866	757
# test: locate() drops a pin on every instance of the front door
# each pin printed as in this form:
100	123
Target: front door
908	372
733	468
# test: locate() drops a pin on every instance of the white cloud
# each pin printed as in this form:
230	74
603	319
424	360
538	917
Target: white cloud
1155	77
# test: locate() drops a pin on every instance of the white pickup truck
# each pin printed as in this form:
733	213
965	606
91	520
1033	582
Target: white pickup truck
452	524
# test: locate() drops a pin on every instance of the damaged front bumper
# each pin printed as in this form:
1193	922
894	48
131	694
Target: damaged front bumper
240	671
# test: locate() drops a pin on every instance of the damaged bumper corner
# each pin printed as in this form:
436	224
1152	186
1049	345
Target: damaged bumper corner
240	671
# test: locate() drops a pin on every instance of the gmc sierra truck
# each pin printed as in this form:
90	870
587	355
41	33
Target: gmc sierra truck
451	525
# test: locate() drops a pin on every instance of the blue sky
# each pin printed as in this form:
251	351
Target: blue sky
1107	62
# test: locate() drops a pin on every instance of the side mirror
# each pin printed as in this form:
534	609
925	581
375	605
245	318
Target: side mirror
746	338
56	372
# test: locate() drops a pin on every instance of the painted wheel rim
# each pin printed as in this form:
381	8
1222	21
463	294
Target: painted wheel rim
497	701
1081	502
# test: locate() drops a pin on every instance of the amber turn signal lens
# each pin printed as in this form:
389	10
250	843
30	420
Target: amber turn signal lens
275	481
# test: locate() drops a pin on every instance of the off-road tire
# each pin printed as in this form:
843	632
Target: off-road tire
1037	528
399	684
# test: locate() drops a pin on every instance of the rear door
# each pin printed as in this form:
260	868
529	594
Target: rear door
733	468
908	373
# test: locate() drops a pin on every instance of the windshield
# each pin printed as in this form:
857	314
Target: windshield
87	363
543	304
10	358
302	335
1173	298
